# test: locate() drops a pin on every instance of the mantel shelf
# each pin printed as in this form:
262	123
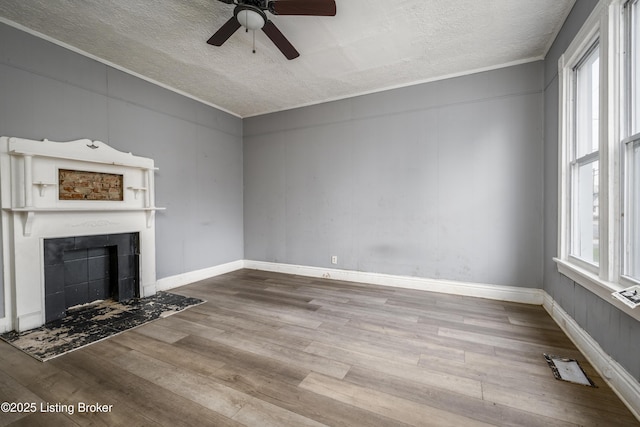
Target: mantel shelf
32	211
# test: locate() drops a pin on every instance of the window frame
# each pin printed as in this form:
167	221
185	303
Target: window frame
630	141
593	32
606	25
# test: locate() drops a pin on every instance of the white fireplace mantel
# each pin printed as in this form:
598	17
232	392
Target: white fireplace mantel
32	211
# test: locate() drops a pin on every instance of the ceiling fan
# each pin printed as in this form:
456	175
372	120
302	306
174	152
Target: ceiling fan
251	14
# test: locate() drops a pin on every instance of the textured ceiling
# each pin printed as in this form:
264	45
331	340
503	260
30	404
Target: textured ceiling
371	45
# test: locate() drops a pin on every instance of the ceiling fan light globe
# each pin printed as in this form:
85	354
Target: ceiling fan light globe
250	19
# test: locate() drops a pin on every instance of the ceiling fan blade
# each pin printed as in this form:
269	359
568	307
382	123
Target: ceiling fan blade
303	7
280	40
226	31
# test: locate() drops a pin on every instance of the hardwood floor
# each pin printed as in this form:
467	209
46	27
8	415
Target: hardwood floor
276	350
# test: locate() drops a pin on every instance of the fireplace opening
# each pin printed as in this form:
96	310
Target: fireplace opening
84	269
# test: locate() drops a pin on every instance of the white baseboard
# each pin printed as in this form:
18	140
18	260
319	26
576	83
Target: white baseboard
178	280
480	290
623	384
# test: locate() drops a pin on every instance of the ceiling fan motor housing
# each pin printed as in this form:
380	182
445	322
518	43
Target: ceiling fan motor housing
250	17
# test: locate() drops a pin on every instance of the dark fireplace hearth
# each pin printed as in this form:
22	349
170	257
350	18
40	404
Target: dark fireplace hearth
84	269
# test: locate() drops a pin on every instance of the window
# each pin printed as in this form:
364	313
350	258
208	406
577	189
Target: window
631	139
599	157
585	176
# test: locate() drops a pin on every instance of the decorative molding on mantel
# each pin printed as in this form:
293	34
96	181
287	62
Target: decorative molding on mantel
95	224
42	186
98	152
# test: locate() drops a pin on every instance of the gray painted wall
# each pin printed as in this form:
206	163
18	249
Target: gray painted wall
51	92
441	180
616	332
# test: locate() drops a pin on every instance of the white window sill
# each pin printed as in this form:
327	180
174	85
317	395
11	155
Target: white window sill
595	284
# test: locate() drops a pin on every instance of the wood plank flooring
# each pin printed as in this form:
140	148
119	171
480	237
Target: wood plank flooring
278	350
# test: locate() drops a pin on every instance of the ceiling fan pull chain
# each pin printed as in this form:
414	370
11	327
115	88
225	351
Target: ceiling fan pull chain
254	41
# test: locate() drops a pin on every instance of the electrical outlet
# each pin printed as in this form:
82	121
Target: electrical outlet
334	259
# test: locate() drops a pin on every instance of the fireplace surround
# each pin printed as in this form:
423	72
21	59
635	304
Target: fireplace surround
33	214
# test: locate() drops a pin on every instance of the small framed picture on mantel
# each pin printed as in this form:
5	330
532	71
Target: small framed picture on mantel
630	296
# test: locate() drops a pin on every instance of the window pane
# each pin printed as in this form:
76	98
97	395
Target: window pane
587	104
586	218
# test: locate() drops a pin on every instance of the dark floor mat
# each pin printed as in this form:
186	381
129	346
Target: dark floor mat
94	323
